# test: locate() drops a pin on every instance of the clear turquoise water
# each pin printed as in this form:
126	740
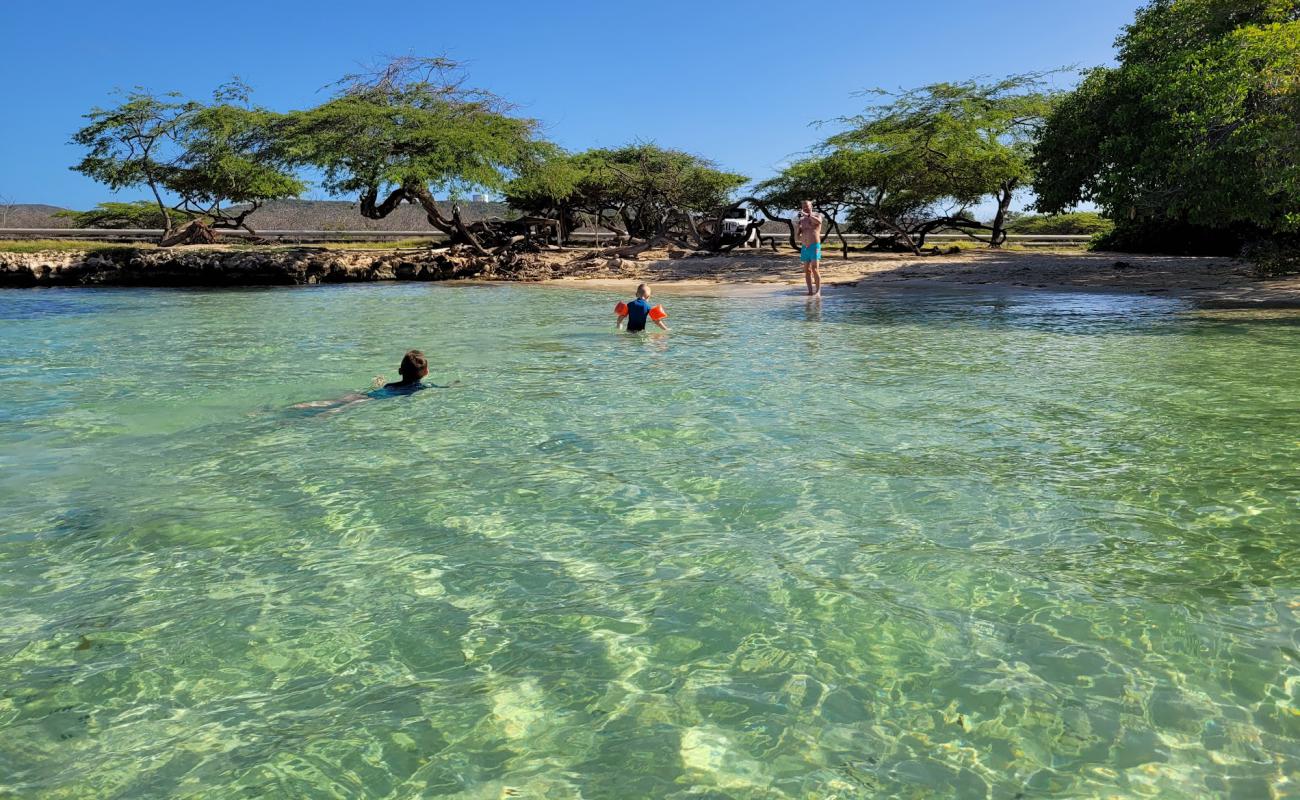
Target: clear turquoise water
910	546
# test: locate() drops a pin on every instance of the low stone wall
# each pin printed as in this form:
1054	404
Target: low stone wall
300	266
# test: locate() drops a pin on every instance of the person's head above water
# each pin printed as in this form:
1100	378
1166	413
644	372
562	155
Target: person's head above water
643	291
414	366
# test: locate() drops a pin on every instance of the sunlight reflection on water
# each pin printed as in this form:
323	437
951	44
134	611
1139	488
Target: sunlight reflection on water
902	545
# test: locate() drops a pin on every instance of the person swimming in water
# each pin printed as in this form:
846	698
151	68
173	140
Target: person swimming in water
413	369
635	313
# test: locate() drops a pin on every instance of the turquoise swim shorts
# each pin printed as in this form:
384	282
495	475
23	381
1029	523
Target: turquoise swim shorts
811	252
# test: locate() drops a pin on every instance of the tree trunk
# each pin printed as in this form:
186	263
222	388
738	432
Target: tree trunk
907	238
999	234
466	236
431	211
193	232
371	211
167	217
844	244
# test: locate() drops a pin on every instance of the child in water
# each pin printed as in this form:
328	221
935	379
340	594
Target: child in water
633	315
413	369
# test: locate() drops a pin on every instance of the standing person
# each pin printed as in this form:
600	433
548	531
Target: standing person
808	228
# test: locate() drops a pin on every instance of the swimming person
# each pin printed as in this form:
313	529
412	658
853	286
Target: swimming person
635	313
808	226
413	369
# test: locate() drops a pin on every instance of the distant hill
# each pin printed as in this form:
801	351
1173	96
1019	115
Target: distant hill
30	215
296	215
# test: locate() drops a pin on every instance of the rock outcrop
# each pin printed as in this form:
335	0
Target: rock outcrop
278	267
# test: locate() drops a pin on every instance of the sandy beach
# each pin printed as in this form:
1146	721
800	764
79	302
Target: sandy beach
1208	281
1212	282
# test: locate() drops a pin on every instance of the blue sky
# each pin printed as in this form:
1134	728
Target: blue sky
737	82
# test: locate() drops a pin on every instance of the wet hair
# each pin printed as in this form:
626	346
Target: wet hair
414	365
643	290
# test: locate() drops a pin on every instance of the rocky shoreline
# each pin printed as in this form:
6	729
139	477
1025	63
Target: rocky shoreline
1207	282
280	267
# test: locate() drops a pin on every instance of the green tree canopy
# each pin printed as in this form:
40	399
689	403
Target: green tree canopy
917	161
135	214
132	145
195	159
1075	222
408	131
639	190
1196	129
230	154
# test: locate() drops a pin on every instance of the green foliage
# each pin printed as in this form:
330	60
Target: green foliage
640	186
195	159
1197	127
830	181
230	153
1074	223
548	183
129	146
884	190
972	137
412	126
1274	258
916	162
1173	237
136	214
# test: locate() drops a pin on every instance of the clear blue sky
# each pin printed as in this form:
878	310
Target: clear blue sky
736	82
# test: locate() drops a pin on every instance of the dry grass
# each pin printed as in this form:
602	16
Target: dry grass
67	245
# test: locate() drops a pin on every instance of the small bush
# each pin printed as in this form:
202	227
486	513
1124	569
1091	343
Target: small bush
136	214
1273	258
1075	223
1174	238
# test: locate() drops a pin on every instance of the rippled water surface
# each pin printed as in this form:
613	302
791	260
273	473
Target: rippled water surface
908	546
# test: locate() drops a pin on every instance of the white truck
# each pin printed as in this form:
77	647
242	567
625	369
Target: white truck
736	224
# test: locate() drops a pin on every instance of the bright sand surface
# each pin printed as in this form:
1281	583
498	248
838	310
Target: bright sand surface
1206	280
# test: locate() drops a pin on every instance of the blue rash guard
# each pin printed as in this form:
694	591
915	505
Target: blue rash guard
396	389
638	311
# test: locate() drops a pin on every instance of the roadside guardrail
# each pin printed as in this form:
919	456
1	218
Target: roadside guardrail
146	234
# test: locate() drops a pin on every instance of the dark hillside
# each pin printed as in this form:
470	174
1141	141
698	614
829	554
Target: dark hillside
298	215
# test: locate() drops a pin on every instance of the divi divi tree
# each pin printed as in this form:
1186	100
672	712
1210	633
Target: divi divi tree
410	130
208	165
919	160
643	193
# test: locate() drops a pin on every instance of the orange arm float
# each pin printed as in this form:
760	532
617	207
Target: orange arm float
657	313
621	309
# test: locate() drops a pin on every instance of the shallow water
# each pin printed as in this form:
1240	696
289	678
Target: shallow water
911	546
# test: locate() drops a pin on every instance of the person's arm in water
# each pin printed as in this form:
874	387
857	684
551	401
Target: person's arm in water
661	324
622	320
332	406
